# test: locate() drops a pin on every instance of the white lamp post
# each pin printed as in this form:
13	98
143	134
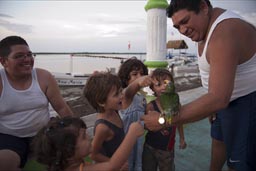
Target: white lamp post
156	34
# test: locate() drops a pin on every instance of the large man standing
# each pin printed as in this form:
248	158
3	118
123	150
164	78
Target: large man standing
227	62
25	94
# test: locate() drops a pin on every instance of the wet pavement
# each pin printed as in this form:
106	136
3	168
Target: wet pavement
197	154
196	157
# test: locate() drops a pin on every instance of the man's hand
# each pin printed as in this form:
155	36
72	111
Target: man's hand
212	118
151	121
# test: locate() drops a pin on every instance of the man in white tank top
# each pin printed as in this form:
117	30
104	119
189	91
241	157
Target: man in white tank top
227	63
25	94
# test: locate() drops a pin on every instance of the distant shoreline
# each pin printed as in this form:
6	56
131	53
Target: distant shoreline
86	53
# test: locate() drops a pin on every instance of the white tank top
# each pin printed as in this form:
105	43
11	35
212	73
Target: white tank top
245	79
22	112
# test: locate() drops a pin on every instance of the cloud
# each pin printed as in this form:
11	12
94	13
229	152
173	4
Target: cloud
113	19
18	28
108	25
6	16
119	30
13	26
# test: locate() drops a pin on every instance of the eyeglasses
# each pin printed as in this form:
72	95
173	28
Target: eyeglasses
23	56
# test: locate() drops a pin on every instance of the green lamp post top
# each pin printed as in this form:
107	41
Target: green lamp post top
156	4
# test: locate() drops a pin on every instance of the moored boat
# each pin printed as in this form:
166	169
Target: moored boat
70	79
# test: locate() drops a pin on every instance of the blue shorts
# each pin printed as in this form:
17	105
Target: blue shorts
16	144
236	126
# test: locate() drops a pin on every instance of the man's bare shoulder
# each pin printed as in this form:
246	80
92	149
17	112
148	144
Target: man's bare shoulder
234	28
44	78
42	73
233	36
227	33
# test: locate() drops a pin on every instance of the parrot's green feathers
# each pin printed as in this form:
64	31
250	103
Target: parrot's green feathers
169	100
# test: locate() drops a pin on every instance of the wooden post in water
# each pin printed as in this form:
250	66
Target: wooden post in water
71	64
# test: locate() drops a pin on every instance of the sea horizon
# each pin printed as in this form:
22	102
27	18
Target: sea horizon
79	63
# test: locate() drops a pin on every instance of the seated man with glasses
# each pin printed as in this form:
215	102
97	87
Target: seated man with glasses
25	94
22	56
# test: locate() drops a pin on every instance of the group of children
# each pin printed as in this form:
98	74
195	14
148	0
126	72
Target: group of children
118	143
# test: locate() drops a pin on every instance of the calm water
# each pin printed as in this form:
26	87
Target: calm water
64	63
86	64
80	65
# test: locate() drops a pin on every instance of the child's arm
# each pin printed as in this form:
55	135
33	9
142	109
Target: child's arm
122	153
101	134
182	138
133	88
149	107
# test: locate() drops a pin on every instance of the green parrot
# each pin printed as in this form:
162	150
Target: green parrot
170	101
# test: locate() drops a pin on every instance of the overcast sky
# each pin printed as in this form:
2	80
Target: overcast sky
92	26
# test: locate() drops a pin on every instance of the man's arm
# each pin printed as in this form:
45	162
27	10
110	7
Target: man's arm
50	87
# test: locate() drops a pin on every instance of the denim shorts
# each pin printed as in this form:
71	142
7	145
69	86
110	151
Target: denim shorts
236	126
16	144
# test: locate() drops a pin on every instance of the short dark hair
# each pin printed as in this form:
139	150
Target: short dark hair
8	42
190	5
97	88
128	66
161	74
